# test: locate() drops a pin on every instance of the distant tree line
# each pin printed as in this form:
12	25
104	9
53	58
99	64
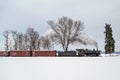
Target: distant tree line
65	32
31	40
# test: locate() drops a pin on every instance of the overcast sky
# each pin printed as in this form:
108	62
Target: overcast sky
20	14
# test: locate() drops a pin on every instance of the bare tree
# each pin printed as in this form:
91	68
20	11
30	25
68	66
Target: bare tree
20	41
29	41
53	40
25	42
15	39
66	31
33	38
38	44
46	42
7	41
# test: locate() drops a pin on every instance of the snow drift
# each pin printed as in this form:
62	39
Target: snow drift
59	68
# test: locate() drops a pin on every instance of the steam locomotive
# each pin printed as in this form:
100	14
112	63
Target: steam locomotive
54	53
80	52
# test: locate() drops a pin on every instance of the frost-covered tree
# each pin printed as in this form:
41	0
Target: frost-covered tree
46	42
28	41
66	31
33	38
6	34
18	40
109	40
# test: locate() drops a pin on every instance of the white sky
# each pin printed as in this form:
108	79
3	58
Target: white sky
20	14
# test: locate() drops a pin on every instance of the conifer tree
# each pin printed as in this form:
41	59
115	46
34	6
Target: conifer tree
109	40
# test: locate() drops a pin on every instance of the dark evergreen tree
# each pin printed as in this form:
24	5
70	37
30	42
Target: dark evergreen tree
109	40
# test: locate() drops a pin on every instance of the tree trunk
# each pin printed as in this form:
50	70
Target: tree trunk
66	48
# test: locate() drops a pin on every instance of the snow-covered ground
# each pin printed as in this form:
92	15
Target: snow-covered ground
110	55
60	68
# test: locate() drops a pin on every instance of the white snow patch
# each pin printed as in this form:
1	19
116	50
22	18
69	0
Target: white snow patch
60	68
108	55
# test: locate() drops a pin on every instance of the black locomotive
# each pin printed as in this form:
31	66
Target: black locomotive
82	52
79	52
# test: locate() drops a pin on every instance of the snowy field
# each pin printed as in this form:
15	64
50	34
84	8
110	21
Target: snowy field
60	68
